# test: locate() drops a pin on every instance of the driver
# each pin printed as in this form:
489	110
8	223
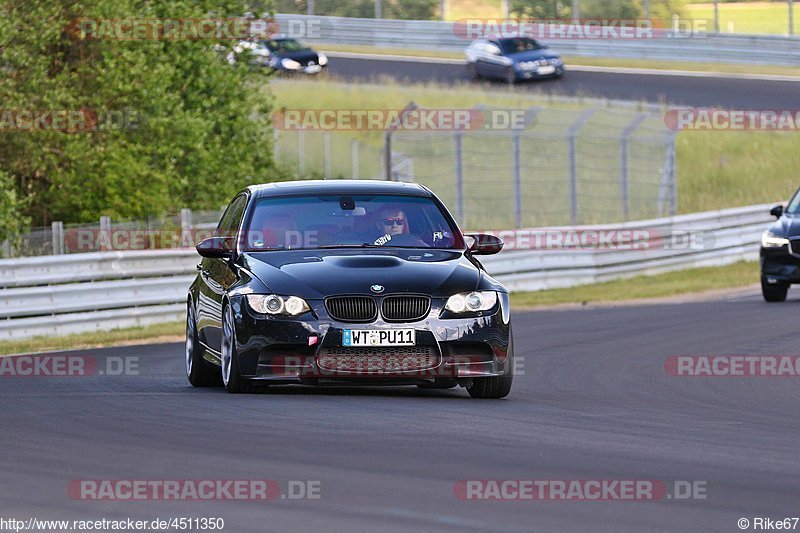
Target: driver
391	220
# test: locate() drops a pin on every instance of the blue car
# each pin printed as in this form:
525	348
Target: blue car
512	59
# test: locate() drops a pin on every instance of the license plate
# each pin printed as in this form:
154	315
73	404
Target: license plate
378	337
549	69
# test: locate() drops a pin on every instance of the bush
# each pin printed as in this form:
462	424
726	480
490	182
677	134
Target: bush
196	132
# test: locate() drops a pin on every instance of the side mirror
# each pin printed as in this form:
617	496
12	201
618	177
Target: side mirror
776	211
483	244
216	247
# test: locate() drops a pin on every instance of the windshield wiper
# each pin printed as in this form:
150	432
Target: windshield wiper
362	245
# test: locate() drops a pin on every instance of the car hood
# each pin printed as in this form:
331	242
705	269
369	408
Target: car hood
315	274
532	55
787	226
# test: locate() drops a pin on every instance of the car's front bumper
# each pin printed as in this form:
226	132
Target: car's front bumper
289	350
524	74
779	265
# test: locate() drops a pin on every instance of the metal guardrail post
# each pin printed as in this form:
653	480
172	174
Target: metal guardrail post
57	236
354	158
623	161
459	178
673	205
572	135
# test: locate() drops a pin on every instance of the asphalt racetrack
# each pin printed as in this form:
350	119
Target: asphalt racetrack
592	401
699	90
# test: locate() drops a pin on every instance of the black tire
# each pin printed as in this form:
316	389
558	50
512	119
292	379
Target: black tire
198	371
774	292
498	386
510	76
472	71
232	380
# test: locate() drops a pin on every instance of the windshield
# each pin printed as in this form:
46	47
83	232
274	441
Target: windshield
513	46
336	220
794	205
283	46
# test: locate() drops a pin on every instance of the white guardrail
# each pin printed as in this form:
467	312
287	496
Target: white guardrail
451	37
64	294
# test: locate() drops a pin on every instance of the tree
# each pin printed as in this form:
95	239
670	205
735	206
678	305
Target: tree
175	124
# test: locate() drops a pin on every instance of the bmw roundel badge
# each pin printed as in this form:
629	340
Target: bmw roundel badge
376	288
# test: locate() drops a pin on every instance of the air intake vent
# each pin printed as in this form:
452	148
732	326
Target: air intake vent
405	308
352	308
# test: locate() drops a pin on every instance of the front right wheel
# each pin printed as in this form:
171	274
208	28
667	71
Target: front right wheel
231	377
774	292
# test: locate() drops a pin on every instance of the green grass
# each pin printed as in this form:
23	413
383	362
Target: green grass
716	169
745	17
166	332
682	282
656	64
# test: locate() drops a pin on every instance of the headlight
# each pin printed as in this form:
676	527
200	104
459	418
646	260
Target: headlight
768	240
470	302
272	304
290	64
322	59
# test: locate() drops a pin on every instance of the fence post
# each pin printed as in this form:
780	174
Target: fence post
623	161
673	168
354	158
387	156
326	155
276	152
517	182
57	235
104	240
572	134
459	179
791	17
301	153
186	228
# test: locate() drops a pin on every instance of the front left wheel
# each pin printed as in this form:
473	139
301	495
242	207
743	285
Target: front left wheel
495	387
231	378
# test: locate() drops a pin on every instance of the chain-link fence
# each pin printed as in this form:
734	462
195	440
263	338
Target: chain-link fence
577	166
565	167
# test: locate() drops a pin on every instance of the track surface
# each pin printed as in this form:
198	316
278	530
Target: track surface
594	403
677	90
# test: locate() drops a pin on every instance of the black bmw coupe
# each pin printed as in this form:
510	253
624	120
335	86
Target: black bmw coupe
347	282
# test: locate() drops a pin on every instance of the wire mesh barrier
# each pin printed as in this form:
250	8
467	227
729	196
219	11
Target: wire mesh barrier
564	166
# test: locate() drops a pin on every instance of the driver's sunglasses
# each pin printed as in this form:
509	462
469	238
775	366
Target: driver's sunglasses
393	221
